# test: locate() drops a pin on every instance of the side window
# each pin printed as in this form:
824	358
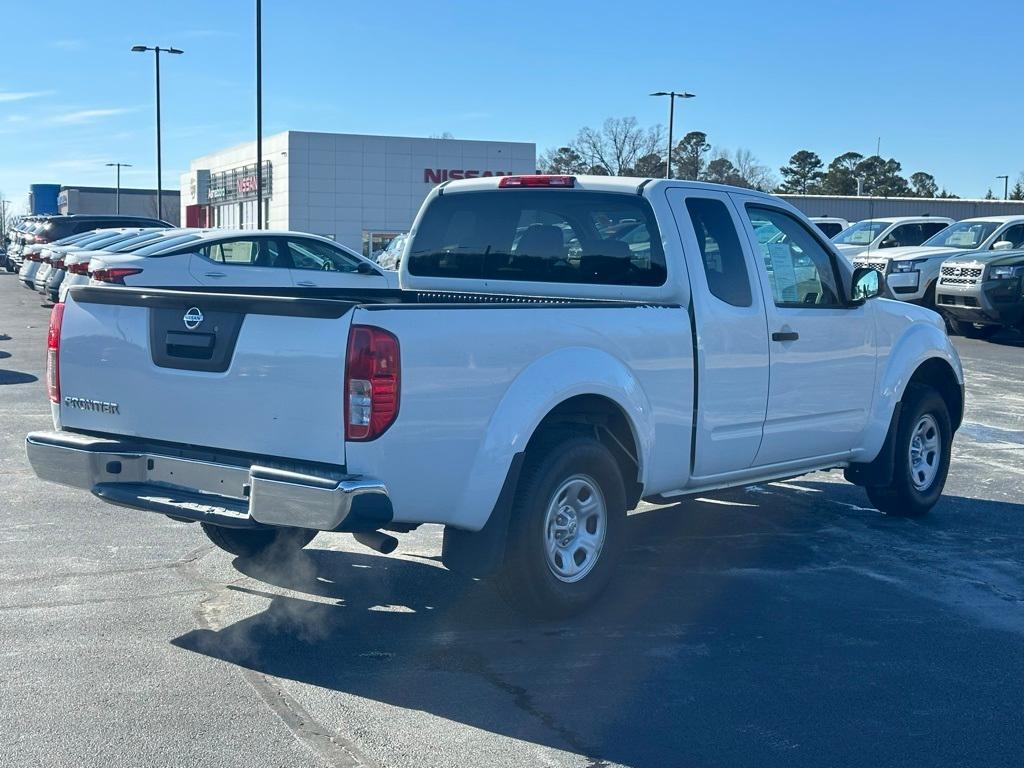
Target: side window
1014	234
933	229
905	234
720	251
311	254
800	269
244	253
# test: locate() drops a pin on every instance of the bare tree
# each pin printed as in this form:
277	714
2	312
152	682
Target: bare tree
618	146
752	171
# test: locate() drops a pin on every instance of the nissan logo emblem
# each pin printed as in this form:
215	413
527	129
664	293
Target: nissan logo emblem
193	318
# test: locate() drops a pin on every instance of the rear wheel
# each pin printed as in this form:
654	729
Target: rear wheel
924	436
253	543
568	527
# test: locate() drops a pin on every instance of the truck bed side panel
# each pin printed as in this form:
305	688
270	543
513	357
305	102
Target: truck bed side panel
477	381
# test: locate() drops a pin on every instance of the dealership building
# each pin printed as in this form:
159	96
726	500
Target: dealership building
358	190
68	199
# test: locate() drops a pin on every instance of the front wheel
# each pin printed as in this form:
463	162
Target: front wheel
972	331
924	437
568	528
261	541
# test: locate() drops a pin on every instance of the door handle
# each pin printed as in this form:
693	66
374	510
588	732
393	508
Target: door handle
306	284
214	274
785	336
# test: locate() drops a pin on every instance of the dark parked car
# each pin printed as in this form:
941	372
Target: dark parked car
980	293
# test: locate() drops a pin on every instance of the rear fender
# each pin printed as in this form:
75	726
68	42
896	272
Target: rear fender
533	394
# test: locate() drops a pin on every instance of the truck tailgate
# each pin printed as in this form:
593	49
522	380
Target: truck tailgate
263	375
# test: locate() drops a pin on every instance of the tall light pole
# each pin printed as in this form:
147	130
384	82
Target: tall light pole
117	194
672	96
159	179
3	222
259	114
1006	186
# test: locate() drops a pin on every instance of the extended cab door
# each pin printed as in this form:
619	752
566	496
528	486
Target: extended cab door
731	338
822	349
255	262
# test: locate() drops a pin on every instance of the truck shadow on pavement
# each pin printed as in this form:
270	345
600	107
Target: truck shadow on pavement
771	626
16	377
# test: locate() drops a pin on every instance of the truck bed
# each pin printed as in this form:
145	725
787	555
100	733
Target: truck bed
264	374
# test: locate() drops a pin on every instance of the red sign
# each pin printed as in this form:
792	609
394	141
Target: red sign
437	175
247	185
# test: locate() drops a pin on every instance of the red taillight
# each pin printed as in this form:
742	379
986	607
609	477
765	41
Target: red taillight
373	381
53	353
46	259
540	180
114	275
32	257
58	264
81	268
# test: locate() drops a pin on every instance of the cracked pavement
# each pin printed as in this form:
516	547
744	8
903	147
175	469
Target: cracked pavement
787	624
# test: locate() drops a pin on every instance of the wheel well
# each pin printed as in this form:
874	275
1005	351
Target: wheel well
605	420
938	374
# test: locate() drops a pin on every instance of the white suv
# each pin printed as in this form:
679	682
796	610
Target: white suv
830	225
911	273
872	235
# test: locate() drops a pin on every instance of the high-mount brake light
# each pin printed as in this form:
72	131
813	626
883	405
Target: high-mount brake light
373	382
539	180
53	353
115	275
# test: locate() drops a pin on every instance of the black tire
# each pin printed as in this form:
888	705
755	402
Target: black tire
902	497
526	579
972	331
262	541
929	298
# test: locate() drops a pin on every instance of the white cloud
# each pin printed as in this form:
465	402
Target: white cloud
68	45
6	96
89	115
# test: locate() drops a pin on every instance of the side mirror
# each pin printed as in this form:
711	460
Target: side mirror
866	284
1002	245
889	242
365	269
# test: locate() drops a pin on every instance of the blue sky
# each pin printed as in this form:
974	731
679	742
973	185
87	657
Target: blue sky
940	81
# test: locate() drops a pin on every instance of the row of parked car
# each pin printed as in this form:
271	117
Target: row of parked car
970	271
129	250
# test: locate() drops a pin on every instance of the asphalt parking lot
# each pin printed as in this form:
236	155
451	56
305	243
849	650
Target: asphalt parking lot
782	625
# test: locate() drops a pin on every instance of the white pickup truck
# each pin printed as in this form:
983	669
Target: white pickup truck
562	347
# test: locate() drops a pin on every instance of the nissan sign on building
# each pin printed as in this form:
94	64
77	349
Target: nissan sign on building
358	190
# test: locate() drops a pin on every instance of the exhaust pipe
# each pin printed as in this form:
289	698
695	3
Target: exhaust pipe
377	540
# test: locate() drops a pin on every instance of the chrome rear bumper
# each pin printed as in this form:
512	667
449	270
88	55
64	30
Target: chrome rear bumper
132	474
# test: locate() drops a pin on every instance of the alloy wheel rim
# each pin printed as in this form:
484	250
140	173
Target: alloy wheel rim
925	452
575	526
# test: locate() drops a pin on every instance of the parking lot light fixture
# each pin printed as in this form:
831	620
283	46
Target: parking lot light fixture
672	96
1006	186
159	180
117	193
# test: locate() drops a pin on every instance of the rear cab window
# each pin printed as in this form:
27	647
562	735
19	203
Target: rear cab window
540	235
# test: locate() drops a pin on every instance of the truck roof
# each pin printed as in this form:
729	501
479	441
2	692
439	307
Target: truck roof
626	184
